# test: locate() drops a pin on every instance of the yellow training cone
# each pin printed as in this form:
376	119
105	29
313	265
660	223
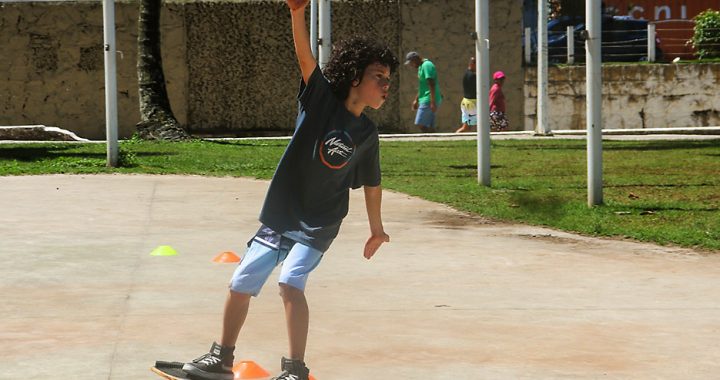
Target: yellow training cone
248	369
226	257
163	250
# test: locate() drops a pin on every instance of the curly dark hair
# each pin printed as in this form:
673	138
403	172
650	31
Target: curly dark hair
351	57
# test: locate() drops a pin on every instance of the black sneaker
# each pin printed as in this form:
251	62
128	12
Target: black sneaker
293	370
215	365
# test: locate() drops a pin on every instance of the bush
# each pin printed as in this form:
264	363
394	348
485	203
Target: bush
706	39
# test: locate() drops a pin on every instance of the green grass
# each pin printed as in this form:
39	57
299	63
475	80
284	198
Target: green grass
666	192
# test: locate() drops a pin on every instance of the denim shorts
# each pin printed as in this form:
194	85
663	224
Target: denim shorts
260	259
425	116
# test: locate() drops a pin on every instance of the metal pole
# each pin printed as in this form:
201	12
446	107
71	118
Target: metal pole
111	117
542	127
651	42
325	41
482	53
314	27
593	74
528	48
570	45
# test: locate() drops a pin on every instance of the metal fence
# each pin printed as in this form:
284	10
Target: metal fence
664	40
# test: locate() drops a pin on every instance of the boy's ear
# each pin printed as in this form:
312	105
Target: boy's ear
356	79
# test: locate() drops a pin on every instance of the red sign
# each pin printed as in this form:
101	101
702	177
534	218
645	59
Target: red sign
656	10
673	21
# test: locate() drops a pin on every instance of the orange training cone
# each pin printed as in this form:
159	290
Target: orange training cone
312	377
226	257
248	369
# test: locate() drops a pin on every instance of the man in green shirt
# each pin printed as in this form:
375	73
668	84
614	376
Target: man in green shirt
429	97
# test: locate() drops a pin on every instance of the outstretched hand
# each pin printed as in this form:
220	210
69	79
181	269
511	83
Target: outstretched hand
297	4
374	243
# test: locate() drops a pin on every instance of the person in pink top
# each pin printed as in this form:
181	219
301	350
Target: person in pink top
498	120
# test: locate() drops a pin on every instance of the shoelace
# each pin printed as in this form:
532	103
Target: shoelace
287	376
208	360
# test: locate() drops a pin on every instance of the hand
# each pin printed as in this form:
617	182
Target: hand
373	243
297	4
433	107
415	105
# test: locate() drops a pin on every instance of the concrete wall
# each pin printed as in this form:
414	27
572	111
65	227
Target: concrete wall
230	66
634	96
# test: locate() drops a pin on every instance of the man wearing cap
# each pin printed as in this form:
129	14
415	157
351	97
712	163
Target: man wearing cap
429	97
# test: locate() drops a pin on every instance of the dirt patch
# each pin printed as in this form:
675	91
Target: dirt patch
454	220
550	238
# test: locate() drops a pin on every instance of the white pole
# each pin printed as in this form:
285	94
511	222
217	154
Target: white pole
482	52
325	27
314	27
528	48
542	127
651	42
111	117
593	75
570	45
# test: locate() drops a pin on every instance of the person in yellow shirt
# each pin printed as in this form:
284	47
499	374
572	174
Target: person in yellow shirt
468	105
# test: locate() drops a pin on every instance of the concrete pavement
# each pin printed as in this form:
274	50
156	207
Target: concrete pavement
452	296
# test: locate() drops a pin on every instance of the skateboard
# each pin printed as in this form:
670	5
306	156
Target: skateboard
170	370
245	369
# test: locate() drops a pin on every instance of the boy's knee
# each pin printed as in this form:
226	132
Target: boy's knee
239	296
289	291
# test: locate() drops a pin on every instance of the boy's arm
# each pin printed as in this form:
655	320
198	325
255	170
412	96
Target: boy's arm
302	39
373	200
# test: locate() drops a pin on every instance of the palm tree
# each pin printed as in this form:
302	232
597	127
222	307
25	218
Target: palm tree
157	119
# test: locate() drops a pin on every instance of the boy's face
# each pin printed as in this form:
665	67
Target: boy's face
374	87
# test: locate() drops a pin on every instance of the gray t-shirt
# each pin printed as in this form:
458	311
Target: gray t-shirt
330	152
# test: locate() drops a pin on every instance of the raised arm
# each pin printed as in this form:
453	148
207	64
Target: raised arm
302	39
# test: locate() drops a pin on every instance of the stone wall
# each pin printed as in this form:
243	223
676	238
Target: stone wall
230	66
52	65
244	75
634	96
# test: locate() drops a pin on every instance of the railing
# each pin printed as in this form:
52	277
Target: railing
661	40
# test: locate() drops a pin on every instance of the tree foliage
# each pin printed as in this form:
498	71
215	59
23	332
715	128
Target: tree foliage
706	39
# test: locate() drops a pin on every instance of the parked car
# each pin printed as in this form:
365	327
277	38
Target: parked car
624	39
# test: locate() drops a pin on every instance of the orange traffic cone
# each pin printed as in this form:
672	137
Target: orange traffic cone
226	257
248	369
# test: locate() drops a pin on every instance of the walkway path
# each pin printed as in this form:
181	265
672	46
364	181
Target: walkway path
451	297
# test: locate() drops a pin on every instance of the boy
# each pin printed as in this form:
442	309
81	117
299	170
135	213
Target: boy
334	148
